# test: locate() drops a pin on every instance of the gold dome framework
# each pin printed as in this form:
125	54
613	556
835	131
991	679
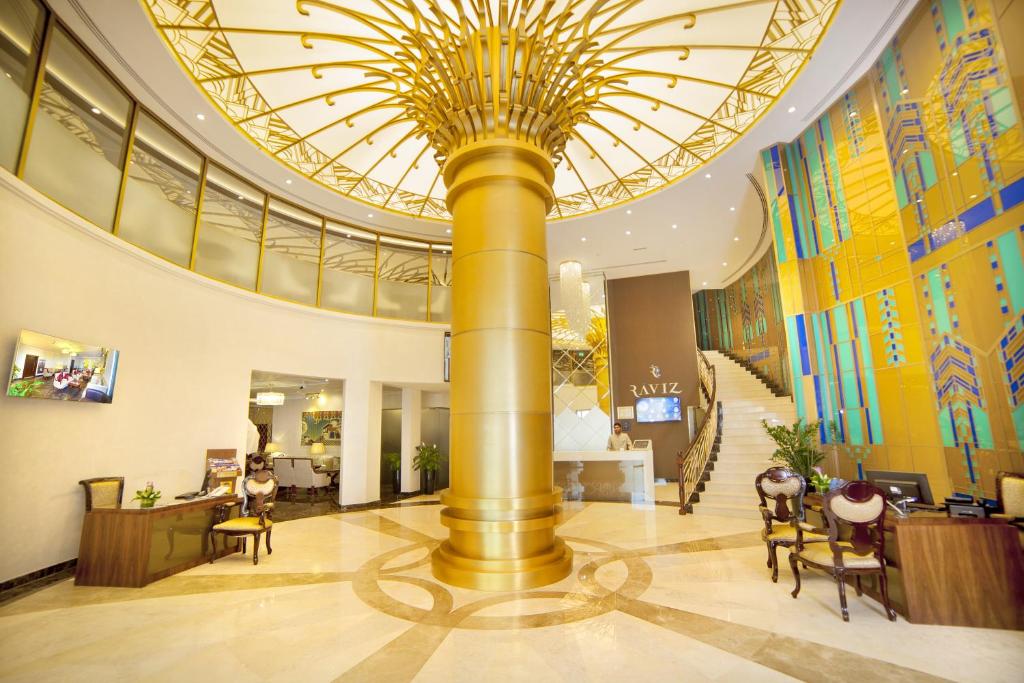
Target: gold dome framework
368	97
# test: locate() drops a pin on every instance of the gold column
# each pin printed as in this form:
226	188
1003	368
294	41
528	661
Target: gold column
501	506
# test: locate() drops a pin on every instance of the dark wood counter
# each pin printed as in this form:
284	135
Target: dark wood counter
132	546
956	571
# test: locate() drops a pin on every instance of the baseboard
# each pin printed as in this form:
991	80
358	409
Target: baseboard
19	581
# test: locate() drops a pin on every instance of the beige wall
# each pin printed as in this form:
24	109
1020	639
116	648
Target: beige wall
188	346
651	322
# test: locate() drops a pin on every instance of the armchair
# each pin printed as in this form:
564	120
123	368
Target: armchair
103	492
258	492
861	506
783	488
295	473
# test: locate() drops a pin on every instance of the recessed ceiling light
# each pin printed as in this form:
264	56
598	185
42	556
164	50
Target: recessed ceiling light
583	239
674	226
8	74
201	117
732	208
629	212
629	232
240	196
893	242
904	91
853	114
791	110
735	239
347	234
972	196
95	110
724	263
449	231
369	215
707	175
704	284
919	201
288	181
956	173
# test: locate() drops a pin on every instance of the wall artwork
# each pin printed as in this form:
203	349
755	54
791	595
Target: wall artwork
321	426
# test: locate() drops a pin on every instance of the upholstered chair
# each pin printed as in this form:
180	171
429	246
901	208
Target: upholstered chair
781	491
860	507
258	491
1010	497
103	492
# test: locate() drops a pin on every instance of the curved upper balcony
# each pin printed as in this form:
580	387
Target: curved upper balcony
73	132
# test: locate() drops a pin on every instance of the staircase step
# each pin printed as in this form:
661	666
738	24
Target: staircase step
721	510
729	488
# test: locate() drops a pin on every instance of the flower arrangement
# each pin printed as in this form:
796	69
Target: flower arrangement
147	497
820	480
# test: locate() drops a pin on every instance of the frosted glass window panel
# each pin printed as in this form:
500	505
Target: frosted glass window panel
78	137
159	210
230	225
440	285
349	260
402	279
21	33
291	253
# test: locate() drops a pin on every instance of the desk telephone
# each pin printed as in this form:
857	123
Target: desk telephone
219	491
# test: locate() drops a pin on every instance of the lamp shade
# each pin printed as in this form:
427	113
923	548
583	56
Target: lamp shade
317	449
272	447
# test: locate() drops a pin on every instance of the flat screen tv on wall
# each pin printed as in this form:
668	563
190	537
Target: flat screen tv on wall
659	409
51	367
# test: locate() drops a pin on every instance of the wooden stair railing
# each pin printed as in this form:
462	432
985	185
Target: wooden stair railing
693	462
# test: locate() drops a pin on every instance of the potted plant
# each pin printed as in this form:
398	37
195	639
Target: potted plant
147	497
394	463
428	460
796	447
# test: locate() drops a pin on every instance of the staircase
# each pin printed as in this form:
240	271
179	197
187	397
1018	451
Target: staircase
745	449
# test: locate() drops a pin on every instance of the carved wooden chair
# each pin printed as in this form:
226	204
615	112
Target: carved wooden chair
103	492
258	490
860	506
781	491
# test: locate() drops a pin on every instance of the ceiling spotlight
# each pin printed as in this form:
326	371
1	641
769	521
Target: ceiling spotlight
919	201
347	234
956	173
369	215
449	231
629	232
8	74
201	117
707	175
904	91
240	196
735	239
95	110
732	208
288	181
724	263
791	110
973	196
629	212
583	239
853	114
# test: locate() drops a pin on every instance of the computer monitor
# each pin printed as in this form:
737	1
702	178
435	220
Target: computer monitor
902	485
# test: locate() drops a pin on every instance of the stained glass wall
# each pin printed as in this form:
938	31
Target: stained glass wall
746	320
898	219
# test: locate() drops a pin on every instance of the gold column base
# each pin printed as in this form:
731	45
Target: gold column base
504	531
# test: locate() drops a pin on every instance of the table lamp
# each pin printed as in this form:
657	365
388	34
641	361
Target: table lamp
272	447
317	449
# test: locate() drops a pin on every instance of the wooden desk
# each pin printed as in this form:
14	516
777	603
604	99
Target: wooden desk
955	571
132	546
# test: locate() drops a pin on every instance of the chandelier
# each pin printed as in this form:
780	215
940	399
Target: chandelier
575	296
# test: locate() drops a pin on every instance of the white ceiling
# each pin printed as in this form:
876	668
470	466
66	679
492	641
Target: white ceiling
706	237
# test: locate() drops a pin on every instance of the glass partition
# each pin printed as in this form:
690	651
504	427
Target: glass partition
21	33
350	258
402	276
158	212
76	153
581	381
230	226
440	284
291	253
68	128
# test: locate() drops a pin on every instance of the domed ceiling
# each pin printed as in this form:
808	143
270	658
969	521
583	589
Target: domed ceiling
359	95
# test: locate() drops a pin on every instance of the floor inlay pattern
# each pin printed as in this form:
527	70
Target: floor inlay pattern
350	597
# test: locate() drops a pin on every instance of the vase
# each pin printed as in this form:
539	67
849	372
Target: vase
146	503
431	475
396	482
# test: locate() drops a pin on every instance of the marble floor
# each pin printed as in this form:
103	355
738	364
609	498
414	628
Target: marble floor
349	597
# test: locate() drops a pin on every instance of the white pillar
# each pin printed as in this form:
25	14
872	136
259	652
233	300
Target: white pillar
360	440
412	411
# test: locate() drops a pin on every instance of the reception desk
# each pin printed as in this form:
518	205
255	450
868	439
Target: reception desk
625	476
132	546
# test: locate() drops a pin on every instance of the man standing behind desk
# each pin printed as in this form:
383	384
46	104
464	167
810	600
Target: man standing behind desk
619	441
